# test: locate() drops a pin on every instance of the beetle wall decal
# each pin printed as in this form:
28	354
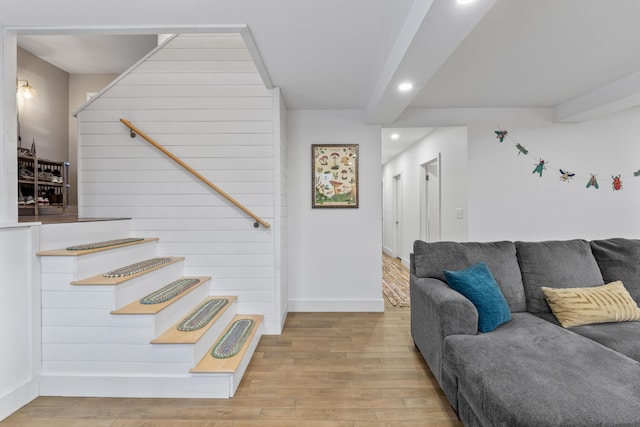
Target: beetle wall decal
616	183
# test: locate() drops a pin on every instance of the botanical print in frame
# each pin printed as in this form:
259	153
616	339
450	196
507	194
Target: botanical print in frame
334	169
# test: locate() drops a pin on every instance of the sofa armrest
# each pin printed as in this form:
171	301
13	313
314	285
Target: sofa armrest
438	311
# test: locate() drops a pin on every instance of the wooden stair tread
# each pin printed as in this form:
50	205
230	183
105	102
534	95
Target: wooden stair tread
101	280
174	336
209	364
66	252
136	307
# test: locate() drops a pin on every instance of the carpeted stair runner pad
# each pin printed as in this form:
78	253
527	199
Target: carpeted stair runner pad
171	290
104	244
233	339
202	315
137	267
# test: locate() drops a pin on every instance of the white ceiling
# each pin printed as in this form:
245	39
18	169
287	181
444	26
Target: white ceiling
403	139
89	54
580	57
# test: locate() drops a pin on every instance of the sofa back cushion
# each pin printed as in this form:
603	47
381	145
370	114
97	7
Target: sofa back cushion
555	264
619	259
431	259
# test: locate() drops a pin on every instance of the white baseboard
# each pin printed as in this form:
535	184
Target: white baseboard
329	306
16	399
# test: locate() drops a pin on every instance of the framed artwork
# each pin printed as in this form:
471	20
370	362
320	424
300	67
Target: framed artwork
334	170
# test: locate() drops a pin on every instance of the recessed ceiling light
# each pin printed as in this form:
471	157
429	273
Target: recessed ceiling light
395	136
466	1
405	87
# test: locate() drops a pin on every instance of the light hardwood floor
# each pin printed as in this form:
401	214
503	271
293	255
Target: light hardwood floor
326	369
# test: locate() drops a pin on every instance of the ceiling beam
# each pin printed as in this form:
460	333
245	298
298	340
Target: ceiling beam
608	99
432	32
416	17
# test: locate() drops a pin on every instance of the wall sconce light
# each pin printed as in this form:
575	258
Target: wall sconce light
25	89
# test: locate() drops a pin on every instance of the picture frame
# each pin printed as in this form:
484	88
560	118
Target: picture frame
334	176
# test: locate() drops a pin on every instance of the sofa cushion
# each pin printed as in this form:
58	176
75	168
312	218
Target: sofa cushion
555	264
529	372
431	259
478	285
619	259
599	304
621	337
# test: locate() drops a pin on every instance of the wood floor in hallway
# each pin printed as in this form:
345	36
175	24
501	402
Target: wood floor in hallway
326	369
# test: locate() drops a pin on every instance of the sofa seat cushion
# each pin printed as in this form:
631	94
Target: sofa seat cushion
621	337
619	259
529	372
431	259
555	264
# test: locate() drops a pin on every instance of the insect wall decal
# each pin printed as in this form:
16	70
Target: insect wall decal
500	134
616	183
566	175
540	166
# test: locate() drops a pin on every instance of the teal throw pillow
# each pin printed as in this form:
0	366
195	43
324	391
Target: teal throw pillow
478	285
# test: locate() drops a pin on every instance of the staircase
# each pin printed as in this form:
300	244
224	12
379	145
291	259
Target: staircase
125	335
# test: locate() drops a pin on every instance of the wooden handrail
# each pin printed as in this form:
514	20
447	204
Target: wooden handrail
135	131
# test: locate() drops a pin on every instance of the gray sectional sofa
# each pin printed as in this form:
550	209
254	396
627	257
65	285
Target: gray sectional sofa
529	371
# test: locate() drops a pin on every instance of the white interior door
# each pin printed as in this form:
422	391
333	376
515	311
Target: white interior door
430	200
397	215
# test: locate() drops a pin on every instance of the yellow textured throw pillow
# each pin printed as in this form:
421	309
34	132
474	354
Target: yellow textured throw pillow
600	304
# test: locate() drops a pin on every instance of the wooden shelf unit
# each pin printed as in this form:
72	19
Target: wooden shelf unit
56	192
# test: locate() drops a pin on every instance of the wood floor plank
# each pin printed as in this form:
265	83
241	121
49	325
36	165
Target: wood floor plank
322	371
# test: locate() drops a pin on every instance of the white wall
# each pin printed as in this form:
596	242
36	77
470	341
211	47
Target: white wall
202	98
508	201
79	86
19	316
45	117
450	143
335	257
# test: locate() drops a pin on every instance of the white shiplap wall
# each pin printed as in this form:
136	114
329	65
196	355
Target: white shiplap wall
202	98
